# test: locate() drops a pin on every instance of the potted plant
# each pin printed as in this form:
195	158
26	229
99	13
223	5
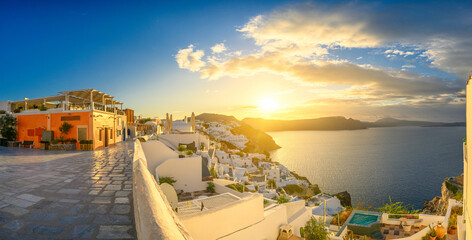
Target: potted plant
452	228
8	129
432	234
86	145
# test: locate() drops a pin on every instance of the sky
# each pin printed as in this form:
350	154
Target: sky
272	59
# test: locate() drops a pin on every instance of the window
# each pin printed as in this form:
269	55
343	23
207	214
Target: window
70	118
111	134
100	133
30	132
82	133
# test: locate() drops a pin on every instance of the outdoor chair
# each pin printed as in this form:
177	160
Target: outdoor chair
30	144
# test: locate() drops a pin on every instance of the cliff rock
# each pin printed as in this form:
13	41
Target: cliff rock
345	198
438	205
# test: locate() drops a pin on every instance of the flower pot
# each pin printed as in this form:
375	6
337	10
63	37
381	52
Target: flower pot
407	228
440	231
432	238
452	231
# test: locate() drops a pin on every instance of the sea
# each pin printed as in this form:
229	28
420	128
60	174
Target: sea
406	164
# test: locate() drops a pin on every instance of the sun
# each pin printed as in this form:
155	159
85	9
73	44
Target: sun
268	104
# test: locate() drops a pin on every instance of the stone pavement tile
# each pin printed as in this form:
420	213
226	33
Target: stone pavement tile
76	219
29	197
76	209
69	191
4	218
99	200
120	209
18	202
114	232
21	236
122	200
81	231
3	234
122	193
15	211
94	192
2	204
42	216
108	193
69	200
14	225
43	204
42	229
112	219
59	207
113	187
96	208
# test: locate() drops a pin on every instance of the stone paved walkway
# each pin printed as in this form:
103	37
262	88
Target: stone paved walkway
66	195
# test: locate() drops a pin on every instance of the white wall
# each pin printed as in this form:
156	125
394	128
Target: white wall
157	153
219	222
175	139
5	105
186	171
154	216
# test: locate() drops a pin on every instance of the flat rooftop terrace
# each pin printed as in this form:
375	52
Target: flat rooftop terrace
66	195
205	203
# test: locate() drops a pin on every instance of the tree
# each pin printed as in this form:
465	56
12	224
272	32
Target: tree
314	230
8	127
282	199
64	128
271	183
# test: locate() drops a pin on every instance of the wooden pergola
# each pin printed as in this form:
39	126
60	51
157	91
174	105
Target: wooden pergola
85	99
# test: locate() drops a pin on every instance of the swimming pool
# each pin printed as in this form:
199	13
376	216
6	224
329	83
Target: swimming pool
365	223
363	219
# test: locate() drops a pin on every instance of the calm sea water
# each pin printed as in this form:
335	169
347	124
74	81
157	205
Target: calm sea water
407	163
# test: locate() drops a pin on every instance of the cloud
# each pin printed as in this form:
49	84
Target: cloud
392	52
218	48
189	59
298	43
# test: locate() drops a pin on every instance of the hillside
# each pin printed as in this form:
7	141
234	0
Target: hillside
392	122
326	123
259	141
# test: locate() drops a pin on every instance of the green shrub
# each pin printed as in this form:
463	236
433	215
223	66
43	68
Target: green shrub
237	187
168	180
56	141
451	187
2	111
210	187
282	199
189	152
293	188
314	230
397	208
43	108
8	127
182	148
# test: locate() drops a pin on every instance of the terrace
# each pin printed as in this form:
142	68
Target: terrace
76	100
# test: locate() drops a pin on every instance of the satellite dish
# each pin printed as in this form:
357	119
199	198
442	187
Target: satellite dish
170	194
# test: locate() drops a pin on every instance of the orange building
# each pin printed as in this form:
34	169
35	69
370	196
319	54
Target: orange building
93	115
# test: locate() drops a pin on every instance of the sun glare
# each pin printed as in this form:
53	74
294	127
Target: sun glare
268	104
